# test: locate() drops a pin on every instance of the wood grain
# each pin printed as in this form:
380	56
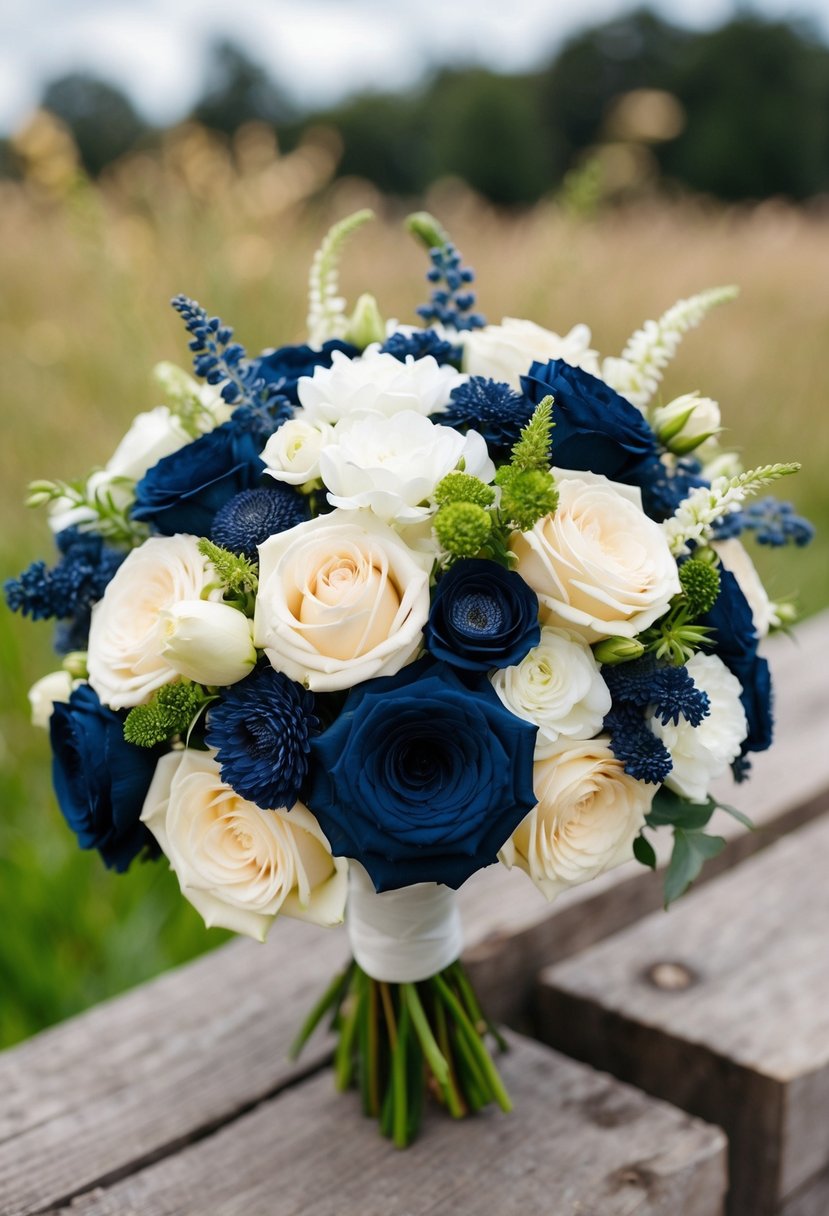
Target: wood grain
746	1042
577	1143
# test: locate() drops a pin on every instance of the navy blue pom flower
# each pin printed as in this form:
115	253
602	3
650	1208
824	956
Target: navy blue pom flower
261	729
100	780
482	616
423	776
419	344
183	492
251	517
492	408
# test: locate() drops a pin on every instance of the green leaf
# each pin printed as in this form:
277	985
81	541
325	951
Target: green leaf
669	808
740	816
644	852
691	850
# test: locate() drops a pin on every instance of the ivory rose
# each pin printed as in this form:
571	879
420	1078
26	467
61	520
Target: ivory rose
588	815
377	382
125	662
506	351
240	866
600	567
341	600
292	454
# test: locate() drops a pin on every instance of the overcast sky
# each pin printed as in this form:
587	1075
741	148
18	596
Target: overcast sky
317	49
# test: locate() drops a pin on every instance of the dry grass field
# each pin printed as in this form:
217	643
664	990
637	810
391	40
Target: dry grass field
86	276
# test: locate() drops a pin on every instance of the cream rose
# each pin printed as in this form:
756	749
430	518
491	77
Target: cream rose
558	686
734	557
376	382
240	866
506	351
600	567
341	600
392	465
589	813
701	754
125	662
292	454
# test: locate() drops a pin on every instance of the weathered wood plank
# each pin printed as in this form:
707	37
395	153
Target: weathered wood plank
577	1142
516	932
810	1200
722	1008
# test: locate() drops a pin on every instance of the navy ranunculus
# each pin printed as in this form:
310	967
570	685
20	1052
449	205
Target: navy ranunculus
735	641
482	616
183	491
423	776
596	428
101	780
283	368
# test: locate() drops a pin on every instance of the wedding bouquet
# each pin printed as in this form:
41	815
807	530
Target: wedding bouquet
348	621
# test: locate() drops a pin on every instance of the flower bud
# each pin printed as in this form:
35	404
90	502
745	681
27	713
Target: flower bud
208	642
75	664
46	692
366	324
784	614
617	650
686	422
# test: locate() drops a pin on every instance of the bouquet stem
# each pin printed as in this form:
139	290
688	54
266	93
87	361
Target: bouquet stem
396	1041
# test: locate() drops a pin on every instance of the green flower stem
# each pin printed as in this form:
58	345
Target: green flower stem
467	994
451	1093
398	1077
437	1063
330	999
343	1056
474	1041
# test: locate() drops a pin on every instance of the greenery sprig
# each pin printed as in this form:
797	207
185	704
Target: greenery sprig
237	575
111	520
170	713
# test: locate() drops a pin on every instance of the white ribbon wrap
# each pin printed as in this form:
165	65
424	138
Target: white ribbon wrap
402	936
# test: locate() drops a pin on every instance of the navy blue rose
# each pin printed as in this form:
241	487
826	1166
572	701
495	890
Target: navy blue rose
736	642
282	369
183	492
596	428
101	780
482	616
422	777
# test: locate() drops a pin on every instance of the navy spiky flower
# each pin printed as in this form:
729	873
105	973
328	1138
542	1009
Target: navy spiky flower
641	689
249	518
261	729
420	343
70	588
494	409
644	756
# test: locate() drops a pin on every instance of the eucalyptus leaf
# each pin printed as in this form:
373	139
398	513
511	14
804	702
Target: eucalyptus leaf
691	850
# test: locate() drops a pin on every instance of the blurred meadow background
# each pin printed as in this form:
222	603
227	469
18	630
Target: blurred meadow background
566	188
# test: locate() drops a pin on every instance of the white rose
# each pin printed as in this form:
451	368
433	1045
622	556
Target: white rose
378	383
292	454
505	352
392	465
46	693
701	754
150	437
125	639
558	686
341	600
600	567
589	813
240	866
208	642
686	422
733	555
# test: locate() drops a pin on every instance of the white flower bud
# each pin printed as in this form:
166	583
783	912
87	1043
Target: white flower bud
46	692
366	324
686	422
207	642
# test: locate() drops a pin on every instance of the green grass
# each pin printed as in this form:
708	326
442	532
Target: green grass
86	279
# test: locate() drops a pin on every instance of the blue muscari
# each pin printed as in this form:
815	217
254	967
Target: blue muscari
776	523
419	344
452	301
72	586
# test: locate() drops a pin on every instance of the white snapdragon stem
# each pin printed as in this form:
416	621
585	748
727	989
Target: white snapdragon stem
402	936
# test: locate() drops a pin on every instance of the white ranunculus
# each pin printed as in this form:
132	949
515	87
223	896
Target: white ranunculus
392	465
558	686
208	642
240	866
734	557
588	815
47	692
341	600
378	383
505	352
599	566
686	422
701	754
126	636
292	454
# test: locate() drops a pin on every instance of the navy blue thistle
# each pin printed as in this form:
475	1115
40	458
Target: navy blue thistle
261	729
249	518
482	616
494	409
